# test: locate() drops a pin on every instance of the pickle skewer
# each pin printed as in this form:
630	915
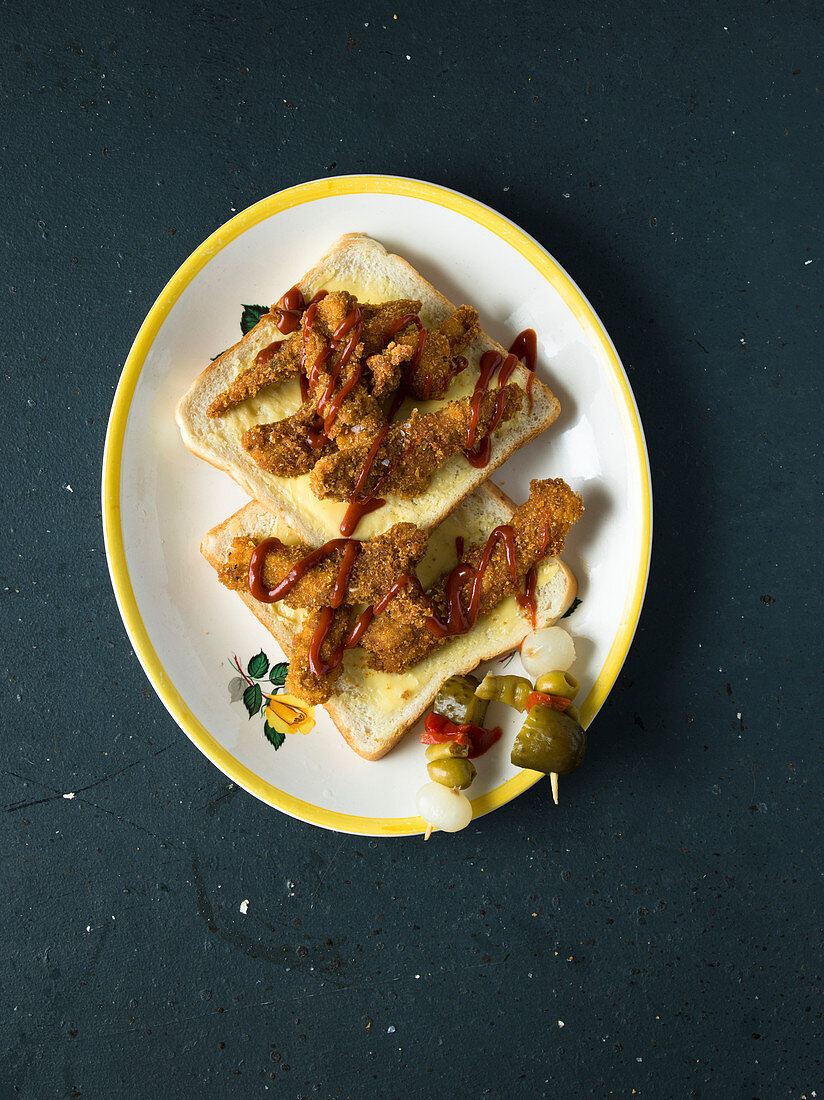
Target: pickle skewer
553	778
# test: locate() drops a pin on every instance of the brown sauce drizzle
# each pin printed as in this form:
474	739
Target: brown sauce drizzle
480	455
509	365
458	619
317	665
265	357
526	600
298	570
359	505
355	511
365	619
477	454
290	307
525	348
332	405
351	549
358	508
352	324
328	407
529	384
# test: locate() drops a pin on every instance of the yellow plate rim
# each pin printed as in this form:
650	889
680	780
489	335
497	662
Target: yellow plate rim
561	282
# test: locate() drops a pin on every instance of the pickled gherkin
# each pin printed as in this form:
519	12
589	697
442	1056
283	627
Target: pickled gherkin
511	690
458	702
550	741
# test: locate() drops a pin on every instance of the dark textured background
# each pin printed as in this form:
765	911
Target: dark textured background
669	912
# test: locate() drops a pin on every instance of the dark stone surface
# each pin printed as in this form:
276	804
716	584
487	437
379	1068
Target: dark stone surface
669	913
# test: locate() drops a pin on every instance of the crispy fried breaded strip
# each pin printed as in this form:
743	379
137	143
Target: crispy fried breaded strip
291	446
411	450
377	319
285	357
549	512
386	368
300	680
396	639
439	361
285	448
378	565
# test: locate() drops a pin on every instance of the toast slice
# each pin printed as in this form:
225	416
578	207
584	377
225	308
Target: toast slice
362	266
373	709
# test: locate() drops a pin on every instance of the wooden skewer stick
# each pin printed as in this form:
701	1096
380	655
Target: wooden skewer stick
553	778
428	832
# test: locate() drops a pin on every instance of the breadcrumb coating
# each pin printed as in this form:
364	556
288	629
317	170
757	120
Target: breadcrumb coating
378	565
410	452
284	356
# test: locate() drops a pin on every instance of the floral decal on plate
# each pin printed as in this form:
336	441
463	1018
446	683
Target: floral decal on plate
248	319
261	689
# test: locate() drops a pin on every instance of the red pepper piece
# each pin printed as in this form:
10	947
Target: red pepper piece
438	729
541	699
482	739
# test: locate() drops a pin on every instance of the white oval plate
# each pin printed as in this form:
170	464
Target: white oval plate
158	499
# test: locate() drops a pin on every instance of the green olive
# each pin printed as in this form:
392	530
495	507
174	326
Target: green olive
454	772
573	713
549	741
512	690
458	702
446	750
557	683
